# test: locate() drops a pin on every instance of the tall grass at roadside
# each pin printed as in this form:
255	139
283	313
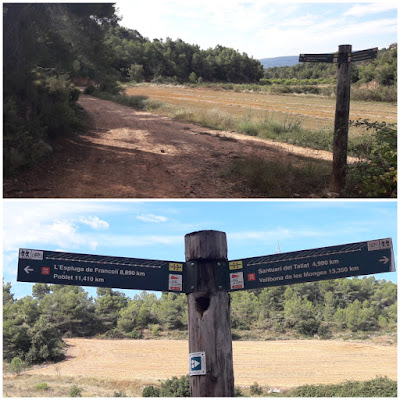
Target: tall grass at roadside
138	102
282	178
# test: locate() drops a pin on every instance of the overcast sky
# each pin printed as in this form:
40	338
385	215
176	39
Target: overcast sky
156	229
264	28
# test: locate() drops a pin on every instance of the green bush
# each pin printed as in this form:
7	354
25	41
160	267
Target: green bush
238	392
75	391
378	387
17	365
48	112
119	394
376	177
135	334
151	391
176	387
89	90
42	386
256	389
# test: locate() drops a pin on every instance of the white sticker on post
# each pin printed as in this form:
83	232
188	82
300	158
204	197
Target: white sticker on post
175	282
237	281
197	363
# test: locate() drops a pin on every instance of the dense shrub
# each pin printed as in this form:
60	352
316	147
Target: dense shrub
151	391
376	177
176	387
17	365
378	387
256	389
42	386
75	391
50	112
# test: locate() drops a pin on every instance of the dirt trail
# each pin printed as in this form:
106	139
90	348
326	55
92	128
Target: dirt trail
137	154
282	363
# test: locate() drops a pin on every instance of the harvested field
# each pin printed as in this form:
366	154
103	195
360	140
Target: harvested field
314	112
285	363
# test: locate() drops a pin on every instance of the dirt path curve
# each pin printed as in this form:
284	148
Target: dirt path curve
137	154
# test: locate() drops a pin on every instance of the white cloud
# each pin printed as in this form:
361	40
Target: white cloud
95	223
121	241
360	10
152	218
55	223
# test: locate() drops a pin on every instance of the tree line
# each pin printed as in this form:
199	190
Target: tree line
34	326
137	58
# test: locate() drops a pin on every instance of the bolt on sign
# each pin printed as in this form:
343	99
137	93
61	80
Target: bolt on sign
362	258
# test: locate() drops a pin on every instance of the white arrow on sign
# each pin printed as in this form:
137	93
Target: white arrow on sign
27	269
195	364
385	260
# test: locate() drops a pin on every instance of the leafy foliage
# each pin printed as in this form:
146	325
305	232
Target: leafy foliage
45	45
378	387
17	365
137	58
75	391
376	177
176	387
151	391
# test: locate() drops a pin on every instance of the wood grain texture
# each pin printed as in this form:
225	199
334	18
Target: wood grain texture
209	316
341	129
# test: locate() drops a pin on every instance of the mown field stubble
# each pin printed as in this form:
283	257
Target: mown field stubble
313	112
281	363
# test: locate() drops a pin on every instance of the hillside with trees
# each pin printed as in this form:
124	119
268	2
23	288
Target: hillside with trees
34	326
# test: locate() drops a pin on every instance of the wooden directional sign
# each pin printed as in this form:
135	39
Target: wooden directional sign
326	58
99	271
333	262
364	54
340	58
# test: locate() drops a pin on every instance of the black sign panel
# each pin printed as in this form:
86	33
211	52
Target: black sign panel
364	55
353	259
99	271
326	58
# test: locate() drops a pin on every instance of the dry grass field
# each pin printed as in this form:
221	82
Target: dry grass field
285	363
314	112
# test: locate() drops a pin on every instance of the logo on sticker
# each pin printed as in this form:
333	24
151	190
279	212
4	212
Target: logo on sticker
251	277
176	267
175	282
237	281
381	244
235	265
30	254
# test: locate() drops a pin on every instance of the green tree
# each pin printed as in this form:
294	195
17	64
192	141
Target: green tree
108	304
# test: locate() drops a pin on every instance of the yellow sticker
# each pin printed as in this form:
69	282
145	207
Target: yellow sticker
235	265
176	267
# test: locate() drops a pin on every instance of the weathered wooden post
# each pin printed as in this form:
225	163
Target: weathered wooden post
341	129
210	338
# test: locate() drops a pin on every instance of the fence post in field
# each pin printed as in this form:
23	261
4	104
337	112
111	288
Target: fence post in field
210	338
341	129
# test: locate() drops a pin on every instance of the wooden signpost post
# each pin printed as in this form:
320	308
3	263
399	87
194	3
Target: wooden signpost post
343	58
207	277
